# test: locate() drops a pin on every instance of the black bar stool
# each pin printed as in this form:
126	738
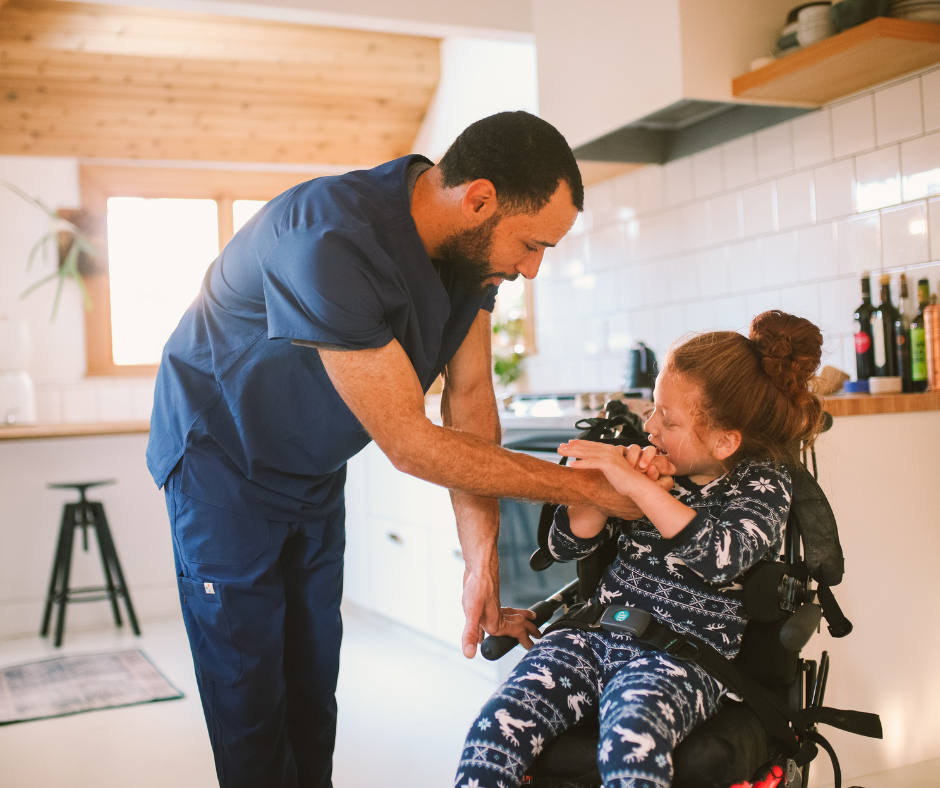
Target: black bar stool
83	514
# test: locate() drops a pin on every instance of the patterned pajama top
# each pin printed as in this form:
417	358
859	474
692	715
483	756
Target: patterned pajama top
690	582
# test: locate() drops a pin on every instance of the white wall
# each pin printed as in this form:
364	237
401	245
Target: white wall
29	524
479	77
787	217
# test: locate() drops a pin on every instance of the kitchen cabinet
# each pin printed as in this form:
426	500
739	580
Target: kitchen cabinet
403	557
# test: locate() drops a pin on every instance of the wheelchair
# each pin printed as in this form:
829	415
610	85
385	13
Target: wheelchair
773	729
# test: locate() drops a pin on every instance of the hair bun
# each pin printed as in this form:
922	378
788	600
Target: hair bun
791	349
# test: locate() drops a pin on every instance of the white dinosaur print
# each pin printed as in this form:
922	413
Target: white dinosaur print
574	703
641	549
604	596
723	558
643	741
717	628
678	490
707	489
633	694
672	561
507	723
753	530
669	669
699	704
544	675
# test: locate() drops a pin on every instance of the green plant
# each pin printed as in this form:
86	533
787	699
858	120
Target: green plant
76	244
508	350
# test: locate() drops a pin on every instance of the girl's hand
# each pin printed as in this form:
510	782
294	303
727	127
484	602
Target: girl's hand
620	464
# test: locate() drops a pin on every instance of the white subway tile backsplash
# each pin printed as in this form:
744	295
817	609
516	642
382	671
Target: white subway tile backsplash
819	252
774	151
606	248
700	316
860	243
920	167
684	278
707	173
654	281
726	218
694	225
79	403
652	188
835	190
904	236
631	287
678	179
114	401
609	298
853	126
838	300
761	301
731	314
593	336
626	197
142	399
802	301
714	272
796	203
898	112
599	201
744	265
669	325
933	227
620	332
758	212
739	159
780	259
878	179
48	405
930	91
812	138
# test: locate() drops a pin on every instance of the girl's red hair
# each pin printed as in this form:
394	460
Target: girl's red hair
759	385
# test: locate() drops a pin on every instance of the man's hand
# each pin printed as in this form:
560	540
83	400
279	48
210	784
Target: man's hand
486	617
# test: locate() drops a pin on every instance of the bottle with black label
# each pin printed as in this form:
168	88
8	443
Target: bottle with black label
918	339
864	350
883	338
902	335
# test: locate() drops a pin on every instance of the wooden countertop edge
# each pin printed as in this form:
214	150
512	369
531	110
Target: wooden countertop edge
75	430
838	405
873	404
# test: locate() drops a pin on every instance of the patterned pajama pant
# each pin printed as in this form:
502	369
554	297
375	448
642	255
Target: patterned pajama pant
647	703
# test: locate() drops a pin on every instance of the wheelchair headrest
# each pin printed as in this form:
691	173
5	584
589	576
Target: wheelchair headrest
811	514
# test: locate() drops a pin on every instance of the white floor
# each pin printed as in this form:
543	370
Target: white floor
405	703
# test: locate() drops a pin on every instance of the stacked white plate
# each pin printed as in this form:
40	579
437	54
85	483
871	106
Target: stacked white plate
916	10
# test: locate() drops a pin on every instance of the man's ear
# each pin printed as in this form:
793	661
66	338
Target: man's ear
479	201
727	442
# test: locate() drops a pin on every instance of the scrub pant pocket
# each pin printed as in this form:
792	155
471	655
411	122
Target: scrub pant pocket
210	634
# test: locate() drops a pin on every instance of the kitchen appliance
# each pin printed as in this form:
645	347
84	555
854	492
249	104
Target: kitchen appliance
17	394
641	370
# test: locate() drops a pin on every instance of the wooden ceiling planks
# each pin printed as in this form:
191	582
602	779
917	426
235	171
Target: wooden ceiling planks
85	80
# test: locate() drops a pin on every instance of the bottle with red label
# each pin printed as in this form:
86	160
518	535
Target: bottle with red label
864	346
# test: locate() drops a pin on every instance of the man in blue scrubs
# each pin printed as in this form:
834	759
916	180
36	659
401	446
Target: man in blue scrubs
320	327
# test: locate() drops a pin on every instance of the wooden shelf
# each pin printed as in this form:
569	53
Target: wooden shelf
853	60
871	404
74	430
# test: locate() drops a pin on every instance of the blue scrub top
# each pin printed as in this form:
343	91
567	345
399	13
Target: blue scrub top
255	418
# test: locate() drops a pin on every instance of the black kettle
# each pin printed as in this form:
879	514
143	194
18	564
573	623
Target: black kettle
641	368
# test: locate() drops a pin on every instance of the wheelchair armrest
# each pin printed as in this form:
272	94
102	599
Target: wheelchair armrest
496	646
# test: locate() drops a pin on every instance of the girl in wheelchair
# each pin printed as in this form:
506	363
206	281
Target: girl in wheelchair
730	412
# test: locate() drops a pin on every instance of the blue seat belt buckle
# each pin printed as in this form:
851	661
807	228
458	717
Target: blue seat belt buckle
628	620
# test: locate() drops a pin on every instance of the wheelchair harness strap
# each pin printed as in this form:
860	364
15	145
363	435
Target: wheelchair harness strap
795	729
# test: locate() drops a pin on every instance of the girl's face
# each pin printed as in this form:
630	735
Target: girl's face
677	431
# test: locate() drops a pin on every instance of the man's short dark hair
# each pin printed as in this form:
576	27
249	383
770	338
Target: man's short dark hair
521	155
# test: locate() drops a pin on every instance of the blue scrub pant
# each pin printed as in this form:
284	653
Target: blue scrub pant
260	602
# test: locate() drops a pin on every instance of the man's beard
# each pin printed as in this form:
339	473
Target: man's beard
468	253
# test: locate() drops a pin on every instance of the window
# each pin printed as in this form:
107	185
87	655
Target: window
158	229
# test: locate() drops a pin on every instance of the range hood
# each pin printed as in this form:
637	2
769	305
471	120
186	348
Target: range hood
633	81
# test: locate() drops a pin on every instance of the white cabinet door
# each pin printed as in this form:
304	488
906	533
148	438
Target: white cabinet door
401	580
357	580
447	619
394	495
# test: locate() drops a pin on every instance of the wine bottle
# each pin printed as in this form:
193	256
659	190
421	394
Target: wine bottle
902	335
864	352
918	339
882	332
